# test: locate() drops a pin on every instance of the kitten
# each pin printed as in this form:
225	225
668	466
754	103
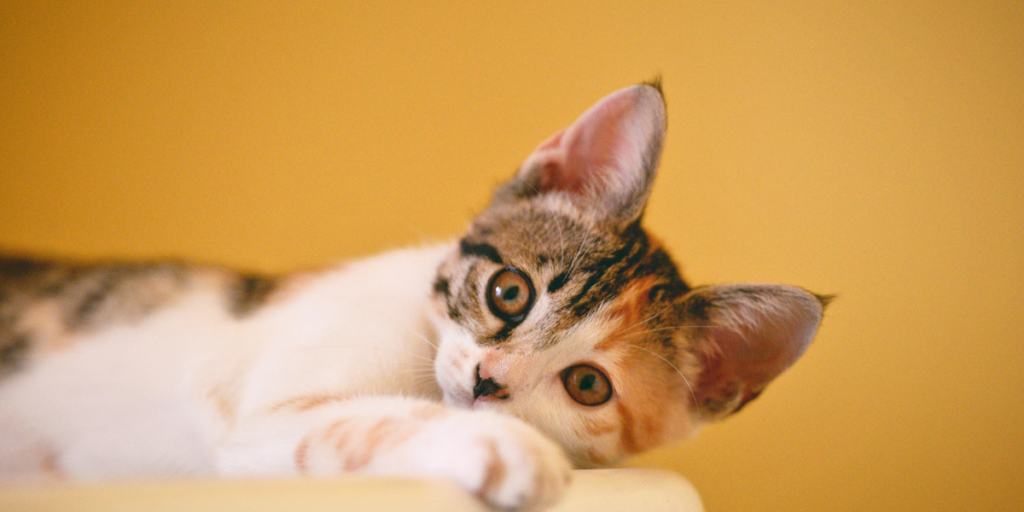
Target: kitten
555	332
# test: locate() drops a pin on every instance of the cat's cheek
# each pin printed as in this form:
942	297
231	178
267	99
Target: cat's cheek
587	436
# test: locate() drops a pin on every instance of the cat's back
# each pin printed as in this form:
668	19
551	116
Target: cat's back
99	359
93	358
49	306
53	309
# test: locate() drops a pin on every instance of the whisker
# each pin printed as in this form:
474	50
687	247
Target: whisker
561	236
424	338
423	363
532	234
685	380
420	336
422	374
584	245
422	357
677	327
648	319
425	378
418	371
537	242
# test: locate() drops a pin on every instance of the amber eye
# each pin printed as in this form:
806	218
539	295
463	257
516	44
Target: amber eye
510	295
587	385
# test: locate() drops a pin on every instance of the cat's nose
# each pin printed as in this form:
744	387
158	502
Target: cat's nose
488	387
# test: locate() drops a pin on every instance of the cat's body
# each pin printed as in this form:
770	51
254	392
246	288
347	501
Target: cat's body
203	354
556	307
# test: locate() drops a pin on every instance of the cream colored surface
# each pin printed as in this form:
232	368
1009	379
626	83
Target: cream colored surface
592	491
871	149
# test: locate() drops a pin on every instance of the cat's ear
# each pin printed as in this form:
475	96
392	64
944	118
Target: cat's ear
744	336
604	162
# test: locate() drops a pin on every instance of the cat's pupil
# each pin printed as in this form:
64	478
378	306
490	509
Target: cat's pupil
587	382
510	293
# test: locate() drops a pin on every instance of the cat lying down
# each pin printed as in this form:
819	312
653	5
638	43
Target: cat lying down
556	332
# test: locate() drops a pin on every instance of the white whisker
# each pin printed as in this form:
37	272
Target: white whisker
584	245
648	319
424	338
561	236
676	327
685	380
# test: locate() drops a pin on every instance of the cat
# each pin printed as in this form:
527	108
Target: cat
556	333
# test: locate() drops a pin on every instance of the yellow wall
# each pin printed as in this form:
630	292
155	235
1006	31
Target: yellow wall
870	149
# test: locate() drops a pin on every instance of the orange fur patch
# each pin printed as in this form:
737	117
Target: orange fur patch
428	412
221	403
301	451
650	399
50	466
628	309
361	456
597	458
383	435
44	321
306	402
494	475
627	436
329	432
596	427
641	403
354	443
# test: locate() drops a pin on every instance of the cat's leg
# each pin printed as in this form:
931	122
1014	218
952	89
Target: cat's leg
502	460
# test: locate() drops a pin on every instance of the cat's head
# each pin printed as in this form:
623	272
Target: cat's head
560	309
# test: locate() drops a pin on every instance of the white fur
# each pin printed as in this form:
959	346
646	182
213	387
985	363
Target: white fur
147	399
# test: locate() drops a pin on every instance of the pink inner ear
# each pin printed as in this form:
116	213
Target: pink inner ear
606	144
554	175
743	364
750	339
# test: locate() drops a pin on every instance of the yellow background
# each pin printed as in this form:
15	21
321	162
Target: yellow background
870	149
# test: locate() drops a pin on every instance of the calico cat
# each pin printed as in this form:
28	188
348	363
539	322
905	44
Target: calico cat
555	333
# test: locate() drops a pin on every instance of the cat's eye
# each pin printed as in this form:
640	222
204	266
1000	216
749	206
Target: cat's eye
586	384
510	294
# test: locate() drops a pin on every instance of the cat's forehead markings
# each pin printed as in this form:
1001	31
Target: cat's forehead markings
627	311
503	333
480	249
607	276
558	282
249	292
638	258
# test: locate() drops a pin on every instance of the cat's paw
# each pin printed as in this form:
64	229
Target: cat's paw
503	461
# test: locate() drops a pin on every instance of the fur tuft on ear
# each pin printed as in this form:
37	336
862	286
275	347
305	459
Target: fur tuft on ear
604	162
744	336
656	83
